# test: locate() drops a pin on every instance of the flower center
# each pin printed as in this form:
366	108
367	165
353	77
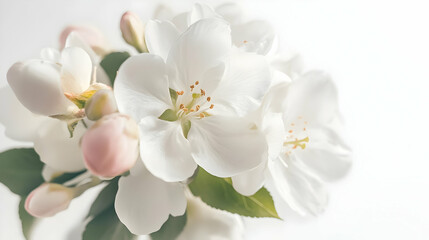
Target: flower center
297	136
193	103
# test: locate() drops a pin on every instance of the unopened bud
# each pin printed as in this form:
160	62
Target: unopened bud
100	104
110	146
132	29
91	35
48	199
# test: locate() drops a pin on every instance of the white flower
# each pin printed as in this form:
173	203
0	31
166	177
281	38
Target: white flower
205	222
251	36
305	146
40	84
216	88
50	136
144	202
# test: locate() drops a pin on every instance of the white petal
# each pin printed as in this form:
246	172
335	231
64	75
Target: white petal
37	85
144	202
242	88
160	36
200	11
203	47
326	154
76	70
141	87
20	123
226	146
164	150
290	64
50	54
181	21
296	186
163	12
204	222
256	36
248	183
231	12
314	97
57	149
75	40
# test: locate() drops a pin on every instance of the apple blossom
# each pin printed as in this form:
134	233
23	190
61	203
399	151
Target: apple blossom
40	84
110	146
212	89
301	123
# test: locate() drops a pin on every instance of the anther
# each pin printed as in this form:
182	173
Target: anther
203	93
182	106
197	107
202	115
208	99
211	106
196	83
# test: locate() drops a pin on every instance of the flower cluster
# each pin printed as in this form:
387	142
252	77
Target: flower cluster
205	116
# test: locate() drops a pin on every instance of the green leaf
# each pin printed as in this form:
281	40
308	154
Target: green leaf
219	193
105	224
112	62
20	170
66	177
171	228
169	115
27	221
105	199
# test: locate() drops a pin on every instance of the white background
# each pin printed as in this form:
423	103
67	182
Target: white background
376	50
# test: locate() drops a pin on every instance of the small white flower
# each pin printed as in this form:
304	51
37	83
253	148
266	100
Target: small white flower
215	87
301	123
69	71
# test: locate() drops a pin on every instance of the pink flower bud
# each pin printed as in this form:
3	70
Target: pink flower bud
48	199
110	146
92	36
102	103
132	29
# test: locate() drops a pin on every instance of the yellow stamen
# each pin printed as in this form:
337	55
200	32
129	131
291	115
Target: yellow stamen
297	143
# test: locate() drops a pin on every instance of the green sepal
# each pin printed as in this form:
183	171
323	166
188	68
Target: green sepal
169	115
173	96
186	126
219	193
